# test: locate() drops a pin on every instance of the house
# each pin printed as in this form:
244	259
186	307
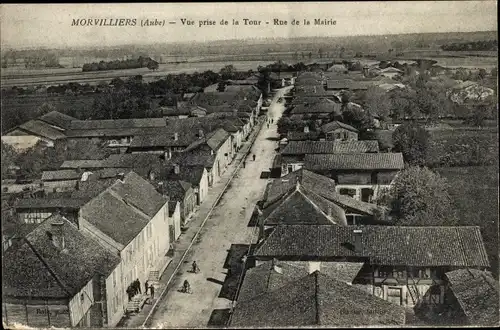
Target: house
345	84
196	175
303	136
472	297
163	142
390	72
298	206
147	165
214	151
182	192
60	180
57	120
174	219
312	300
114	133
337	130
131	220
294	153
356	212
35	128
64	278
404	265
36	210
363	175
83	164
322	108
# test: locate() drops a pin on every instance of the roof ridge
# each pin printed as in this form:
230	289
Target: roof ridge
314	204
51	271
316	298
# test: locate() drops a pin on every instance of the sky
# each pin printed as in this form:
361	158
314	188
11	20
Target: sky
49	25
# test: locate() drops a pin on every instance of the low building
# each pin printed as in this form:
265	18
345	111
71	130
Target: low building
328	302
472	298
182	192
294	153
114	133
147	165
337	130
323	108
64	278
36	210
356	212
362	176
35	128
60	180
398	266
196	175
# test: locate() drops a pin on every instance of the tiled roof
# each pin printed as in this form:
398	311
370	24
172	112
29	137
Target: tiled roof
316	299
112	132
361	161
136	191
301	206
60	175
141	163
319	184
164	138
117	123
124	209
477	293
217	138
107	173
322	106
91	188
57	119
383	245
83	164
337	124
301	136
329	147
48	272
192	174
345	84
40	128
175	189
38	203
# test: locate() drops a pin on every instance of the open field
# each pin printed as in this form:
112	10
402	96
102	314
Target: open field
58	76
474	190
463	147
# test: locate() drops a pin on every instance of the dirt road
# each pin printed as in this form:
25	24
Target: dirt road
226	226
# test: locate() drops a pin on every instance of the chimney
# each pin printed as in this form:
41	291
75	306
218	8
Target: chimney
177	169
200	133
57	236
306	129
168	153
358	246
297	185
121	176
176	136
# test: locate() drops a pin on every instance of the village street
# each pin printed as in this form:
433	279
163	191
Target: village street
227	225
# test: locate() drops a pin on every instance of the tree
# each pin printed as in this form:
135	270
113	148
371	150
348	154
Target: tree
221	86
358	118
8	158
419	197
413	141
44	109
377	102
227	72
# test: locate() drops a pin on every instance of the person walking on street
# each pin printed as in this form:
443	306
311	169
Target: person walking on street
152	290
253	157
243	164
129	293
267	125
146	287
138	286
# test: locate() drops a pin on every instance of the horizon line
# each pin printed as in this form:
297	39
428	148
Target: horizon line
82	47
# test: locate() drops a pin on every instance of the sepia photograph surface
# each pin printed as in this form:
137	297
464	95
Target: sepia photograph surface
249	165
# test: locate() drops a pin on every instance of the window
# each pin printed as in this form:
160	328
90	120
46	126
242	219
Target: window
385	271
290	168
114	279
348	192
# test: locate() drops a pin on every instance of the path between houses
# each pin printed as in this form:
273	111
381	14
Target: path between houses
226	224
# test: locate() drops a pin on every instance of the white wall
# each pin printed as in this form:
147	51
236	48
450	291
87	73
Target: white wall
78	307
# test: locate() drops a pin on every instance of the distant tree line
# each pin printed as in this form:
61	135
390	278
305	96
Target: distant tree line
140	62
471	45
